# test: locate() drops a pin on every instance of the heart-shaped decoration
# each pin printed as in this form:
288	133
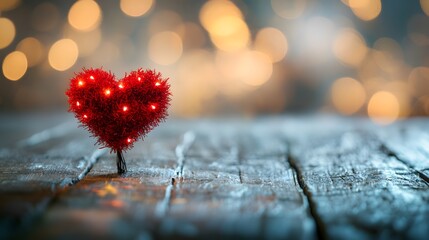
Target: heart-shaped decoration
119	112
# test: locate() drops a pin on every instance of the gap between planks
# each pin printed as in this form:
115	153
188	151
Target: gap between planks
320	225
181	150
56	132
391	153
41	137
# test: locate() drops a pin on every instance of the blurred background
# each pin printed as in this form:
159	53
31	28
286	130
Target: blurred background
247	58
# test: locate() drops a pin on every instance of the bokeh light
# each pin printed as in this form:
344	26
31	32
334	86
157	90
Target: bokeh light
136	8
365	9
238	57
165	48
349	47
272	42
224	22
401	90
230	34
6	5
383	107
214	9
14	65
425	6
63	54
85	15
7	32
196	76
252	68
33	50
289	9
348	95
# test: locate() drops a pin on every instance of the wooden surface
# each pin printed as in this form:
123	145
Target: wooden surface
273	178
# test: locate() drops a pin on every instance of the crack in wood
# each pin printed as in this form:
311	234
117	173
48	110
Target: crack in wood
320	225
91	161
390	153
181	149
56	189
240	175
236	153
162	207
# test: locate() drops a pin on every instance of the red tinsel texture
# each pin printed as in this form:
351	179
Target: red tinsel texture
118	113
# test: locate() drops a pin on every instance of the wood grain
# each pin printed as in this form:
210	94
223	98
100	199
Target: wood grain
35	168
360	192
409	142
249	191
269	178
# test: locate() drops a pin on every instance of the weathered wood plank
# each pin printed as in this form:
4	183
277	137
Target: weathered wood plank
32	173
242	180
409	142
232	178
358	191
128	201
208	197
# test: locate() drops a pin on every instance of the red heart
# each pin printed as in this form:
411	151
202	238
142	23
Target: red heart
117	113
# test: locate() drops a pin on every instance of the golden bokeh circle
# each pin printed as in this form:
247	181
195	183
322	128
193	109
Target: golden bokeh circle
14	65
85	15
136	8
7	32
33	50
63	54
348	95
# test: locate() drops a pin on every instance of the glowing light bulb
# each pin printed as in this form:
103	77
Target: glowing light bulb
153	107
107	92
80	83
125	108
139	78
78	103
121	86
85	116
129	140
91	77
157	84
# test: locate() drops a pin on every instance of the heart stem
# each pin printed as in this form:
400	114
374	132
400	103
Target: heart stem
120	162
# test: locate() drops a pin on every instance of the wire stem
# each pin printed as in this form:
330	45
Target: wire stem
120	162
